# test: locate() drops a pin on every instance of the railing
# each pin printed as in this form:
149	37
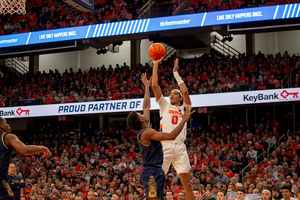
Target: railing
268	152
285	136
146	8
222	47
235	176
271	147
277	144
169	51
285	83
256	160
243	170
17	65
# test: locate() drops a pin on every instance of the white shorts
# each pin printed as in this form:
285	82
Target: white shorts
177	154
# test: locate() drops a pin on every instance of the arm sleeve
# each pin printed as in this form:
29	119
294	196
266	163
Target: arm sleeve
163	103
12	185
21	185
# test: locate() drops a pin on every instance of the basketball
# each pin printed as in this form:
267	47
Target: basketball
156	51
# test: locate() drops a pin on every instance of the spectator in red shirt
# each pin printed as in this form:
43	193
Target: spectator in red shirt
275	81
265	164
253	174
51	4
26	29
131	153
293	146
275	124
78	167
89	147
227	162
48	100
32	22
77	23
71	98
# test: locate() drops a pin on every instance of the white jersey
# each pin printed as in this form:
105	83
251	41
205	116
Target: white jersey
170	117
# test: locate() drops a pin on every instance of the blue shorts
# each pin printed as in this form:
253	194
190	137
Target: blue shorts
5	191
153	180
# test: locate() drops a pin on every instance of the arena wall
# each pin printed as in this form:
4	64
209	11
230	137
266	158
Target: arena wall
268	43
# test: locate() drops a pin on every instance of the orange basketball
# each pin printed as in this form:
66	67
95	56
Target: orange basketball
156	51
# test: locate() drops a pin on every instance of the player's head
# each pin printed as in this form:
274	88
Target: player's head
4	126
176	97
136	120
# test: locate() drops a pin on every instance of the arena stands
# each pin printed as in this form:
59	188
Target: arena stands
204	75
52	14
107	165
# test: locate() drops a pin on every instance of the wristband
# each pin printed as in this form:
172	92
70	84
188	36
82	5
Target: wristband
178	78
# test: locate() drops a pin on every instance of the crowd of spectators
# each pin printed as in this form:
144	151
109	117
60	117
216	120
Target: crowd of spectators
208	74
48	14
51	14
107	165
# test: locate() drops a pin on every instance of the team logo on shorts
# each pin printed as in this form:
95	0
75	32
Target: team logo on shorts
152	187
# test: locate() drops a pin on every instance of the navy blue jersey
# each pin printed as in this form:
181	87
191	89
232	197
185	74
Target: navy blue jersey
152	154
5	157
16	185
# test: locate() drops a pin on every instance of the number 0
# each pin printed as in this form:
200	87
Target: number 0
174	119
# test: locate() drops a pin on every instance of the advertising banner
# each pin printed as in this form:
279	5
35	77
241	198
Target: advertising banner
119	106
154	24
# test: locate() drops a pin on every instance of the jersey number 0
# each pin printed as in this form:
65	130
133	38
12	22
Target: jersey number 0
174	119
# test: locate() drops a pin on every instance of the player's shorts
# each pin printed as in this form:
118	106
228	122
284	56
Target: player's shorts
177	154
6	192
153	180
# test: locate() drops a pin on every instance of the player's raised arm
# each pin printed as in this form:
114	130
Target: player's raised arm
26	149
146	104
151	134
155	87
182	86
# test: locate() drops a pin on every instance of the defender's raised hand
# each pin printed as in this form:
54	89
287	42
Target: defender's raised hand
145	81
187	113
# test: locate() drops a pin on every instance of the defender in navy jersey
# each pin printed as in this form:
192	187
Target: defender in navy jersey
152	176
7	144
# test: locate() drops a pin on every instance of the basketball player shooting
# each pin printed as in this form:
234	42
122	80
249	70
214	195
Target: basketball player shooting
171	115
152	175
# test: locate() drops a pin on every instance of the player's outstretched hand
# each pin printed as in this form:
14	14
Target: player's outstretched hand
176	66
156	62
187	113
46	153
145	81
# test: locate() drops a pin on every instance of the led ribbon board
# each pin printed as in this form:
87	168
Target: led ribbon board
153	24
118	106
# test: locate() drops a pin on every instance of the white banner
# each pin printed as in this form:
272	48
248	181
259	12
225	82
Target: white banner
119	106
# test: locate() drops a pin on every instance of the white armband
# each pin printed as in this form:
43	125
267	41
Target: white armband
178	78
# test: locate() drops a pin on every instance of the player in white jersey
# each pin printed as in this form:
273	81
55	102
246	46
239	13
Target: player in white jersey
171	114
